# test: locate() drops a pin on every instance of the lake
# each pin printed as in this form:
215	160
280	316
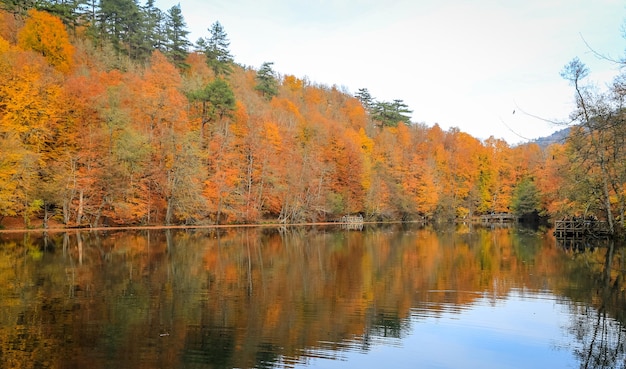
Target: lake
392	296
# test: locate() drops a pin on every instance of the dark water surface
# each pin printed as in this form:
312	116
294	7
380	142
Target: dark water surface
397	296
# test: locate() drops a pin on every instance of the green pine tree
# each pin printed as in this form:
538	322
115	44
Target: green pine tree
266	81
526	198
389	114
176	42
216	50
366	99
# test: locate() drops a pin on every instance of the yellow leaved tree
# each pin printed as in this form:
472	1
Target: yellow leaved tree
45	33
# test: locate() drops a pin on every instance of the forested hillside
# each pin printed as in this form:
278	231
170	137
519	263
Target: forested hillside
110	116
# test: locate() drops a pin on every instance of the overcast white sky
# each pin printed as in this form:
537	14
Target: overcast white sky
465	64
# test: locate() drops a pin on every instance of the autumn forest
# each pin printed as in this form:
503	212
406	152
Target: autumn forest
109	115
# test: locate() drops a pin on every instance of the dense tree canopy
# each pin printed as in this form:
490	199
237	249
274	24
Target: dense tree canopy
107	117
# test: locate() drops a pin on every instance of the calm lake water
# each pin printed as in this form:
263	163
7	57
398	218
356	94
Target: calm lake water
397	296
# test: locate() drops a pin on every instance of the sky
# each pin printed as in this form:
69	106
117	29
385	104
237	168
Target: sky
487	67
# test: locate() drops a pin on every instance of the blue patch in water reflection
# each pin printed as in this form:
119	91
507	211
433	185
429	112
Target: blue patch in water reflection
522	330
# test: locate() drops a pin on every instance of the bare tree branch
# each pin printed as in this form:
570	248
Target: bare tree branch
514	132
620	62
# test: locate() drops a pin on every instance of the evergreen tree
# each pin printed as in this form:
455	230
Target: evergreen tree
176	42
217	100
366	99
89	13
221	97
216	50
17	6
266	81
526	199
119	21
389	114
69	11
153	32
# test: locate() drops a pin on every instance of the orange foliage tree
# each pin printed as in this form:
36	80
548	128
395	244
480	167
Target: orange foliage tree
173	173
31	126
46	34
502	182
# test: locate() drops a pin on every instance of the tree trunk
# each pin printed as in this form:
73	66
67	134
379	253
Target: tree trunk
607	196
168	211
79	213
66	212
46	215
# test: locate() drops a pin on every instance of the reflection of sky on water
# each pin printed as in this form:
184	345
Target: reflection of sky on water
525	330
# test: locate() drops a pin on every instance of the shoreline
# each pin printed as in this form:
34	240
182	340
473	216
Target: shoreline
158	227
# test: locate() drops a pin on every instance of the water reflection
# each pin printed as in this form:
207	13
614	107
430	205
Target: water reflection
599	326
314	297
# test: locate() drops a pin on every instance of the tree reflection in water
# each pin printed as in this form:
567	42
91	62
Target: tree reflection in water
599	328
267	298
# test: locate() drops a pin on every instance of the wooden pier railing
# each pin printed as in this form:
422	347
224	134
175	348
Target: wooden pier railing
352	222
499	218
580	227
351	219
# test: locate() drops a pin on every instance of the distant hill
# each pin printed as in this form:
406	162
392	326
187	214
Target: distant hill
556	137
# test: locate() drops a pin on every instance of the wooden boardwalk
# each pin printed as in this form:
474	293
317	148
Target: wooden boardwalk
580	227
351	222
351	219
498	218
